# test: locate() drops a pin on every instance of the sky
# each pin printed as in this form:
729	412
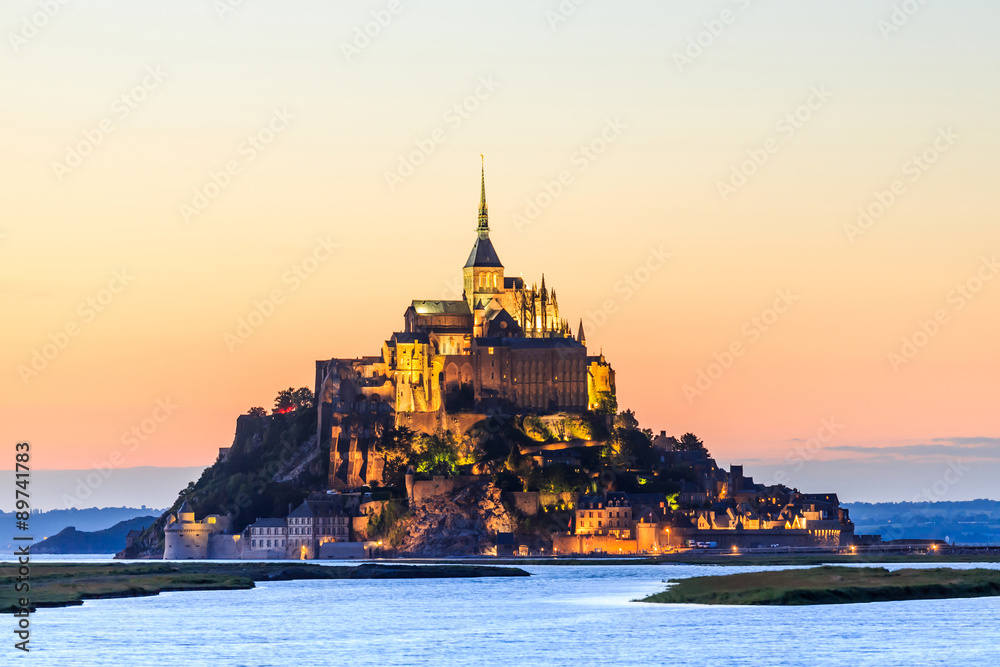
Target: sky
776	219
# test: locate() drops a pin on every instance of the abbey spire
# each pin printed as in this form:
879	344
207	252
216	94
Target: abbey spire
484	216
483	270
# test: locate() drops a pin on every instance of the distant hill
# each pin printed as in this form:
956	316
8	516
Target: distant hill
48	524
963	522
107	541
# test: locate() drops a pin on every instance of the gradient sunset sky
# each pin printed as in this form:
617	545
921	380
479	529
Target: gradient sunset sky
806	112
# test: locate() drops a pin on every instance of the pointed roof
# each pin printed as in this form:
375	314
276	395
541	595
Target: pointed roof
185	510
484	216
580	337
314	508
483	253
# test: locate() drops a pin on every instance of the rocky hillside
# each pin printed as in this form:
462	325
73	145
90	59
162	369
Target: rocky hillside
275	462
465	523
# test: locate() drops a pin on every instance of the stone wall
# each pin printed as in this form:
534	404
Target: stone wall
585	544
344	550
432	422
264	554
727	539
221	545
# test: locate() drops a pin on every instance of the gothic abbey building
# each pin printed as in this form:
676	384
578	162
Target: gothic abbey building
502	347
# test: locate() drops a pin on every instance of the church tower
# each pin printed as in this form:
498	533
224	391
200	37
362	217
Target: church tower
483	271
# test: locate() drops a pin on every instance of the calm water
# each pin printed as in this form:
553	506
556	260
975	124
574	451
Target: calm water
562	615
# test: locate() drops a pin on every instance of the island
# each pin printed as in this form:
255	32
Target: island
64	584
831	585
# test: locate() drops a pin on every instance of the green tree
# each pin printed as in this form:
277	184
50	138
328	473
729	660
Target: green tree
558	478
628	443
436	454
257	411
607	403
673	501
289	400
396	447
689	442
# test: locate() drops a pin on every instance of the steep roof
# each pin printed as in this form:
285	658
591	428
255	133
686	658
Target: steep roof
431	307
483	253
404	338
313	508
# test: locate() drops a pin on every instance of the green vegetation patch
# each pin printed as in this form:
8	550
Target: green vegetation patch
831	585
61	585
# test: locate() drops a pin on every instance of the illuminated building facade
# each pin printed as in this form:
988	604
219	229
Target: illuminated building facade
605	515
502	347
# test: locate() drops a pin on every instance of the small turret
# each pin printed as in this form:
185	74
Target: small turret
185	514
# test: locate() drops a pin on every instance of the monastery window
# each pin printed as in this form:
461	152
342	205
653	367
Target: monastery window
269	543
600	523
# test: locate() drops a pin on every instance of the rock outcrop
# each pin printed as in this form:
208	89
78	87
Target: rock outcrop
461	524
274	463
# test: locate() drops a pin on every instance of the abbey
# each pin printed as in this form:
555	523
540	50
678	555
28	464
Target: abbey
502	348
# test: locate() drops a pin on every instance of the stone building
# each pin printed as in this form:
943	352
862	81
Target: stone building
321	527
266	538
315	523
504	346
605	515
719	509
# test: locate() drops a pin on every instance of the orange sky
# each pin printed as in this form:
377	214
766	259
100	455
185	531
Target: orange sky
747	165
